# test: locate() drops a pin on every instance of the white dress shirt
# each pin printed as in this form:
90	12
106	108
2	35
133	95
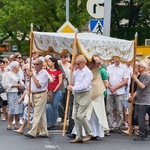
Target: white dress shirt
43	79
116	75
82	78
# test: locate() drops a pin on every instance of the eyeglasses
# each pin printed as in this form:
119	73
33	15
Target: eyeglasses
35	64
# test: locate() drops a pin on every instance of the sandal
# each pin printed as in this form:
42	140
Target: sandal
8	128
16	128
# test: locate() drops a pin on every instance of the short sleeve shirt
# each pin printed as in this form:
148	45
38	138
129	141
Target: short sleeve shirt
143	95
116	75
103	73
55	75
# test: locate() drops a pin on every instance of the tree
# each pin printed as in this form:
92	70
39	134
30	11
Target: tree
46	15
138	13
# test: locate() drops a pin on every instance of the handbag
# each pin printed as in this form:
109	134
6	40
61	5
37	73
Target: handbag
1	102
1	88
49	97
20	90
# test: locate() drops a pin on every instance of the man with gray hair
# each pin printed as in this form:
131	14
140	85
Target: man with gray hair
142	104
39	83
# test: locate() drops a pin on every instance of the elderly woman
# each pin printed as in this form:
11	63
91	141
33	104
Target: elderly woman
13	85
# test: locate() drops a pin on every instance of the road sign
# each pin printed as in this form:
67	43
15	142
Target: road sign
67	27
96	8
96	26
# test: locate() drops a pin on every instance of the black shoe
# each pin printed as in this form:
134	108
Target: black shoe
94	138
146	134
149	132
29	135
71	136
107	133
118	130
111	130
48	128
53	127
139	138
43	136
68	132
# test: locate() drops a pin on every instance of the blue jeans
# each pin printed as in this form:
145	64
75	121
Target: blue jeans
52	109
49	113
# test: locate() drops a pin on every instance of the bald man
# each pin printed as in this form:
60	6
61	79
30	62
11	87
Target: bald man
81	86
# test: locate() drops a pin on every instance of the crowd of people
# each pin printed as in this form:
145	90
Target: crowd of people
100	97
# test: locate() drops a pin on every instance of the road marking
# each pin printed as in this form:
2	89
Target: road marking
50	146
55	132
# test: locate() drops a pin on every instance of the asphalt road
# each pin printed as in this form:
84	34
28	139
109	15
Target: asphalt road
12	141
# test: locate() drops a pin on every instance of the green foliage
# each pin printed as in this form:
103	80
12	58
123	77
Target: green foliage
138	13
46	15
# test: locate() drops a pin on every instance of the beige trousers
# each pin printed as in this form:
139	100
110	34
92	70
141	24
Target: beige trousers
39	118
81	103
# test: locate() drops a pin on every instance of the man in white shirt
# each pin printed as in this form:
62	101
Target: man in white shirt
39	83
118	79
81	86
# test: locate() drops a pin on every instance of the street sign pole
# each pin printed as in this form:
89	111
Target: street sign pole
67	10
101	9
107	18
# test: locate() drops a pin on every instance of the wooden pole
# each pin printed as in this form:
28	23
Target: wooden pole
70	81
132	88
30	67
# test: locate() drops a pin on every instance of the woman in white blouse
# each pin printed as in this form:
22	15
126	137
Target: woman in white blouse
13	85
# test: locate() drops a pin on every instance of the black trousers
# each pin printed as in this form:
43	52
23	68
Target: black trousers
71	121
140	112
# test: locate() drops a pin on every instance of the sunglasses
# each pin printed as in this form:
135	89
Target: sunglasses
33	53
19	57
35	64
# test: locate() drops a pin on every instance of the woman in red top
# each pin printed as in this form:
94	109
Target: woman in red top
54	86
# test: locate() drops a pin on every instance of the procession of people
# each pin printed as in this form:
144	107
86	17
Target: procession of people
100	97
